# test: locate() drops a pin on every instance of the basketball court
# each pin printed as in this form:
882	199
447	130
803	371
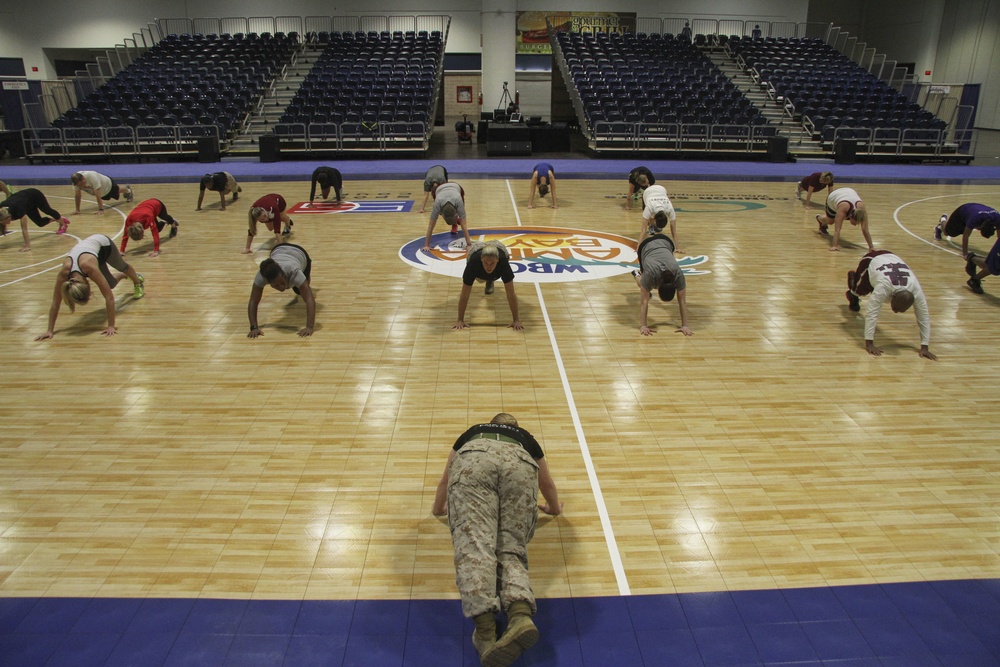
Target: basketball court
767	456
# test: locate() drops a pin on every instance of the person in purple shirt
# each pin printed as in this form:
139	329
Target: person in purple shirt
964	220
543	177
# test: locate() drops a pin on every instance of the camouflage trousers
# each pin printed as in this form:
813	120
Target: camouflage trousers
492	510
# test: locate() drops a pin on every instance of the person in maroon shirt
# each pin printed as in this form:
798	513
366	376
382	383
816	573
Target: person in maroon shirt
270	210
814	182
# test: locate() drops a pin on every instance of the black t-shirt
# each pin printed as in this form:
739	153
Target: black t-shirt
218	183
517	433
474	269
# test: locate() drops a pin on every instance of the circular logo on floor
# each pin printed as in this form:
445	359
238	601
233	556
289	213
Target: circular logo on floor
538	254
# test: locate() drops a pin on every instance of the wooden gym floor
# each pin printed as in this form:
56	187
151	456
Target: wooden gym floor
768	452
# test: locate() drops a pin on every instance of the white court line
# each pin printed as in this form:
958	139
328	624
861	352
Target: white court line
965	196
595	485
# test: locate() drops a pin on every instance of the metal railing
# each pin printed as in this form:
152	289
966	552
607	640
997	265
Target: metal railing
52	142
380	136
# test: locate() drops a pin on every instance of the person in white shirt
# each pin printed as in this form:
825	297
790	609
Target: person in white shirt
844	204
102	187
657	212
886	277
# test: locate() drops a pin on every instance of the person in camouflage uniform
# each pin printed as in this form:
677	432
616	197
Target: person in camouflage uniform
489	491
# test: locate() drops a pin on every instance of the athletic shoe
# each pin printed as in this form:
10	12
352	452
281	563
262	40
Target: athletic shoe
970	266
288	229
975	285
63	226
454	230
138	290
798	193
822	227
937	232
635	273
128	194
173	231
489	287
853	301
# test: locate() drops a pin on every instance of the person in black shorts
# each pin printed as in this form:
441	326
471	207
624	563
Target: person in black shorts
488	262
29	203
221	182
636	186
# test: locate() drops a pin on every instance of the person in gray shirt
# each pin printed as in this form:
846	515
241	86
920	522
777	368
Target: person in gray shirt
658	270
449	202
287	266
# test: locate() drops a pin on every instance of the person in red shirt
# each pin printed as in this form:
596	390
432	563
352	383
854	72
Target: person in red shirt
270	210
150	214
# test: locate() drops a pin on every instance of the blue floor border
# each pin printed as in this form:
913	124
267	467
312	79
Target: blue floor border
519	168
941	623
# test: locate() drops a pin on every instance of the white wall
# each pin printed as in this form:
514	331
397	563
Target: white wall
969	50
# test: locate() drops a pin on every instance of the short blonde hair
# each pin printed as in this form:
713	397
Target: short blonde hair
860	216
826	177
4	213
504	418
135	231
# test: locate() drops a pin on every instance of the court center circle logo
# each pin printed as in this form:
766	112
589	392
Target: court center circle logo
539	254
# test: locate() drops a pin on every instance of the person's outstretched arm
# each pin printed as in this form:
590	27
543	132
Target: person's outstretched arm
109	299
463	303
255	295
24	233
307	294
682	304
62	277
547	486
512	302
644	328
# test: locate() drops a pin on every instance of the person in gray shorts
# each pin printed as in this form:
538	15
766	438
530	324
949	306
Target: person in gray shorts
287	266
658	270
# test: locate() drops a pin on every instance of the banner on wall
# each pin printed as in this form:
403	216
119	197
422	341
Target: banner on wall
533	36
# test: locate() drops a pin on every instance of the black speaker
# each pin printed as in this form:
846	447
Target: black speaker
270	148
208	149
845	151
777	149
494	148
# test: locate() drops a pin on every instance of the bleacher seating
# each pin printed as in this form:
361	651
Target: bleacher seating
649	79
364	80
198	82
831	95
